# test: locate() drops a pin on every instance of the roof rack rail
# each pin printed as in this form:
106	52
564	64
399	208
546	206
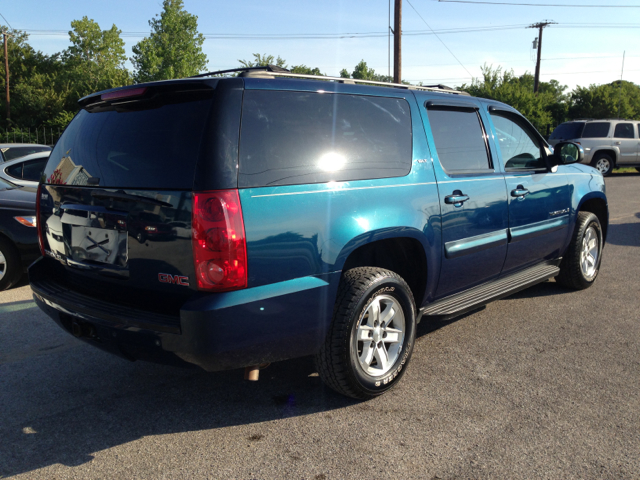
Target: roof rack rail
272	71
268	68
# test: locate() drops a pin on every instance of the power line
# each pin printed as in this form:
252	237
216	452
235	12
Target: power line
540	4
6	21
330	36
445	46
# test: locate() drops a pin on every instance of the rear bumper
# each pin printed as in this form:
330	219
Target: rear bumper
215	331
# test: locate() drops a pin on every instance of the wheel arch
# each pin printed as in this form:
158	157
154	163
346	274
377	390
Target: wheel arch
607	151
402	252
597	204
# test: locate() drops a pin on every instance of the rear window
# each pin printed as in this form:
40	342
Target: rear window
596	130
567	131
12	153
291	138
137	147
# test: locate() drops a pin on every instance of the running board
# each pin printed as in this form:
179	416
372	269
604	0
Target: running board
463	302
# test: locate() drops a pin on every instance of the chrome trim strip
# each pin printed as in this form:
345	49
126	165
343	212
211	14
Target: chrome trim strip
466	246
531	230
333	190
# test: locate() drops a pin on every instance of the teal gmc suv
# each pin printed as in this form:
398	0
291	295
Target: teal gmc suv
229	222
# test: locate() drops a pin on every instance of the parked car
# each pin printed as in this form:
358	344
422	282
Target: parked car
25	171
607	144
11	151
329	221
18	235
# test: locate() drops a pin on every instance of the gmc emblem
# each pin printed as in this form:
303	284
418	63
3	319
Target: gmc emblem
176	279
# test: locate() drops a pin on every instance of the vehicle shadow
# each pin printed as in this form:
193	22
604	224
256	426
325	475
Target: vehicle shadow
116	402
624	234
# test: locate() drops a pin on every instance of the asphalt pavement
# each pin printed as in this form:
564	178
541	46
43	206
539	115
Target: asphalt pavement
544	384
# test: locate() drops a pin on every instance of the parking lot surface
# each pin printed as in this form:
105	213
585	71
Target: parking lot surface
544	384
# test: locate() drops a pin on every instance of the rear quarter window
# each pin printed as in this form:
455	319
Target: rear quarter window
290	138
596	130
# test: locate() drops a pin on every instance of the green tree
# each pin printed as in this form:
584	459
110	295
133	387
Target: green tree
174	47
363	72
93	62
614	100
304	70
263	61
34	96
505	87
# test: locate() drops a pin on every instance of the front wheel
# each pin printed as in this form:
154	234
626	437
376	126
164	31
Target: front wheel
581	263
371	337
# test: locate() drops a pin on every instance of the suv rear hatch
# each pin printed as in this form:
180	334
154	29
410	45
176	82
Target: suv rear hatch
116	203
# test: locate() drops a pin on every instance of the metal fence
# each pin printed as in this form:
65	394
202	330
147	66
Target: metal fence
41	135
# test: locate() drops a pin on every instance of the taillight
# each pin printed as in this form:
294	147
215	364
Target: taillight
38	223
219	245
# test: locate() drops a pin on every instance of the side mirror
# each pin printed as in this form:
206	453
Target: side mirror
565	153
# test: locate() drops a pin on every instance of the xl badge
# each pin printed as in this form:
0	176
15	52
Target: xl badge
175	279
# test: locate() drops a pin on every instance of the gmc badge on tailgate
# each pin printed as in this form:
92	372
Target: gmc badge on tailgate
176	279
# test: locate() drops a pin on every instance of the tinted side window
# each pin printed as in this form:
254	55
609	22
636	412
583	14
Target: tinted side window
520	149
567	131
15	170
33	169
290	138
596	130
460	140
623	130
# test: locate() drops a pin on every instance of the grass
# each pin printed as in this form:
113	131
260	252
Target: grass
625	170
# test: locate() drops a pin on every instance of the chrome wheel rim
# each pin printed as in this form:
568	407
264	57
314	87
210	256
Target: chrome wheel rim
590	253
3	266
603	165
380	336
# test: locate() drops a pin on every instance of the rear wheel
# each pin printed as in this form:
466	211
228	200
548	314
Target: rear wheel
581	263
371	337
603	163
10	268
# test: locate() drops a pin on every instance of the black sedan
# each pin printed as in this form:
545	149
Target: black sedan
18	235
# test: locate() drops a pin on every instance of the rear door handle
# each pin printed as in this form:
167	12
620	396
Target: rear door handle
457	198
520	192
618	143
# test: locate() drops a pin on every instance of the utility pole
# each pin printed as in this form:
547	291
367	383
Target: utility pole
397	42
6	69
539	26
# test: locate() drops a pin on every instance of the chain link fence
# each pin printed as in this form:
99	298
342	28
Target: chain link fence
41	135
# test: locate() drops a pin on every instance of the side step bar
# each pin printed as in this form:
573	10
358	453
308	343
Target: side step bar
475	297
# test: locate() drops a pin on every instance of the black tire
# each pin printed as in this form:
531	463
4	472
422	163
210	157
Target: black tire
572	270
141	238
638	169
339	361
10	267
603	163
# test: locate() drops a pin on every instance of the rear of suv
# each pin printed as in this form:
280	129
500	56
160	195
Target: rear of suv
607	144
233	222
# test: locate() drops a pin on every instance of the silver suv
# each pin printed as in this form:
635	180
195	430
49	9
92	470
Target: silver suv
607	144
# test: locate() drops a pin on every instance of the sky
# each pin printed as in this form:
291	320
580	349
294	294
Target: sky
585	46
